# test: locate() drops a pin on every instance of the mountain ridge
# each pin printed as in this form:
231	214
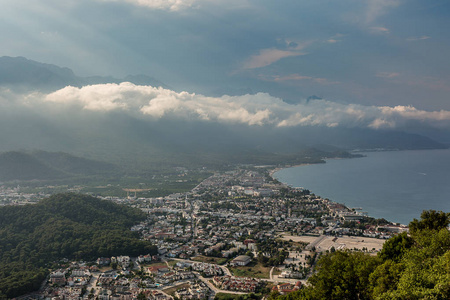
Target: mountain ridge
22	73
136	140
43	165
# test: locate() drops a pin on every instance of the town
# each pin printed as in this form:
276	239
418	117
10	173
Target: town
237	232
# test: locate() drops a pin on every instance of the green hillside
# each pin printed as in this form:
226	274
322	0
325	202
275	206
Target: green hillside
73	164
42	165
22	166
63	226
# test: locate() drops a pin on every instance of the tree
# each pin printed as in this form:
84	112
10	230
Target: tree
395	247
416	267
343	275
430	220
385	277
408	267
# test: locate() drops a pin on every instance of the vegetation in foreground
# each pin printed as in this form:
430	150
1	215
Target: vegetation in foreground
63	226
414	266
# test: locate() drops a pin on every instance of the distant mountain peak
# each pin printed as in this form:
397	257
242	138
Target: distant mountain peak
25	74
313	97
42	165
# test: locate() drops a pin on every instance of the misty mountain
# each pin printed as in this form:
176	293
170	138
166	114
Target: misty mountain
300	100
22	166
42	165
23	74
71	164
132	142
128	137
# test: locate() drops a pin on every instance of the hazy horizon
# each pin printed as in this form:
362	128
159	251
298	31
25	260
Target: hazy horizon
240	68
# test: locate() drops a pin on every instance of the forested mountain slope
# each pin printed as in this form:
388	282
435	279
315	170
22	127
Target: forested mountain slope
63	226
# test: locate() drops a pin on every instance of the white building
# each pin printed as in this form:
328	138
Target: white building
241	260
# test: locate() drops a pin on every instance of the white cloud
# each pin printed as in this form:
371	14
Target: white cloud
418	38
180	5
173	5
104	97
388	74
379	30
148	102
335	39
377	8
298	77
267	57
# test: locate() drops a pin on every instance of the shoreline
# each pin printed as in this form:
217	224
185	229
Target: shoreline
405	176
324	161
273	171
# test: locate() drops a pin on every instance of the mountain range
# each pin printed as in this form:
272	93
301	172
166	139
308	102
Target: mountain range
129	140
42	165
24	74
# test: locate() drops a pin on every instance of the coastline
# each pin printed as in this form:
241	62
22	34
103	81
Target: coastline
273	171
324	161
388	184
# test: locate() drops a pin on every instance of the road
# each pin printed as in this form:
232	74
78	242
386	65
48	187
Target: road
315	242
93	282
216	290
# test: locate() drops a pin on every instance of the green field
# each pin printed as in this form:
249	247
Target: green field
171	291
253	269
211	260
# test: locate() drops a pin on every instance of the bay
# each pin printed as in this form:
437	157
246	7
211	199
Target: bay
395	185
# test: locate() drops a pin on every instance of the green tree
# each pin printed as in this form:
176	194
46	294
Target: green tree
343	275
395	247
430	220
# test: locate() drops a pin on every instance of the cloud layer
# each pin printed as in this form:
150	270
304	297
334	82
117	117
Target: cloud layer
267	57
172	5
260	109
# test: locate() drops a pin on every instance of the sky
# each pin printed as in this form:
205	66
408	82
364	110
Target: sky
381	62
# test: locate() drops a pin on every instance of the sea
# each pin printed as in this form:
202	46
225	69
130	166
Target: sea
395	185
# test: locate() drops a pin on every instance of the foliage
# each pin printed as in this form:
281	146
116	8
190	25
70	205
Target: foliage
414	266
270	253
395	247
62	226
430	220
343	275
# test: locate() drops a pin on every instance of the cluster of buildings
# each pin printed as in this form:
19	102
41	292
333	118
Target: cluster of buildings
195	291
208	270
163	275
225	216
239	284
14	196
286	288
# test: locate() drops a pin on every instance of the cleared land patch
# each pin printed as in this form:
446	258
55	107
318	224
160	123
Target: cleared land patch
324	243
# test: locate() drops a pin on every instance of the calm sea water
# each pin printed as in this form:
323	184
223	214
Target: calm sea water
395	185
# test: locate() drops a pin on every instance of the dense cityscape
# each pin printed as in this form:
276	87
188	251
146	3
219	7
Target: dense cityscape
237	232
